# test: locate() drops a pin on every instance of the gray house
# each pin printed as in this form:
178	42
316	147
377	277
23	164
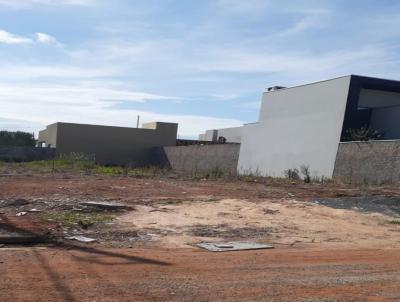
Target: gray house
304	125
110	145
230	135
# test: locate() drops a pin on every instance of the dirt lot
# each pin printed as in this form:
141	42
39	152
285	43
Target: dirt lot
332	242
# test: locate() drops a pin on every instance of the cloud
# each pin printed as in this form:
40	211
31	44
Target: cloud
313	19
19	125
57	72
31	3
46	39
92	103
297	64
40	38
9	38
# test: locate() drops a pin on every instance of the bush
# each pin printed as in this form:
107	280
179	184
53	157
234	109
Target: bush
305	170
292	174
363	134
17	138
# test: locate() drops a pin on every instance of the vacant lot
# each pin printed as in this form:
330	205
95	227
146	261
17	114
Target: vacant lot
332	242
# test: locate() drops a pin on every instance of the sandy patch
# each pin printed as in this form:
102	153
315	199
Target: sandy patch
280	222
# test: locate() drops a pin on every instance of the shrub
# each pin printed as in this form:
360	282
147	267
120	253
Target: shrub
305	170
292	174
363	134
17	138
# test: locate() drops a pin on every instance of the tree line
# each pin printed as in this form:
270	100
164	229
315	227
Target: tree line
16	138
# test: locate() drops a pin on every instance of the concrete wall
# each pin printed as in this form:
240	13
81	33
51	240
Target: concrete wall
203	159
374	162
232	135
297	126
20	154
111	145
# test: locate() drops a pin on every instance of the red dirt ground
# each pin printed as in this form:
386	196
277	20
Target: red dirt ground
90	274
95	273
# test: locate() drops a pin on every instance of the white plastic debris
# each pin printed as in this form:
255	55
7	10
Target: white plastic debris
21	214
232	246
81	238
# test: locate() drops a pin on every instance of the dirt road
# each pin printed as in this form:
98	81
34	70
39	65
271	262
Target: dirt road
332	242
92	274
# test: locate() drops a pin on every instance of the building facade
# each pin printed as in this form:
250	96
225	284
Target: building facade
303	125
110	145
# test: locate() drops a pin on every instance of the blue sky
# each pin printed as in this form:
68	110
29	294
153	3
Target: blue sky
201	63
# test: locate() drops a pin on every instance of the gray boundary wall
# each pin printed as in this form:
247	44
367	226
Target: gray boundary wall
203	159
374	162
20	154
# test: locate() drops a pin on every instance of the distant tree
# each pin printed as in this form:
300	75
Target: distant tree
17	138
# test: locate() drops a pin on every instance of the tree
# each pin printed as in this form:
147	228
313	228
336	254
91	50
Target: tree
17	138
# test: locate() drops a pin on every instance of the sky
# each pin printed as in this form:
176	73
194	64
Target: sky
201	63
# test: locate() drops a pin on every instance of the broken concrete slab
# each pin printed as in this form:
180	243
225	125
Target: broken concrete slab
232	246
104	205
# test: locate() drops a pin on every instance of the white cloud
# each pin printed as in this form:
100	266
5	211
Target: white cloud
313	19
9	38
30	72
92	104
31	3
19	125
43	38
298	64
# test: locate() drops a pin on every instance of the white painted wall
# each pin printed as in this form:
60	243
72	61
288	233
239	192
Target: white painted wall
297	126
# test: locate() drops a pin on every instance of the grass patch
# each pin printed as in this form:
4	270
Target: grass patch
81	163
397	222
71	218
73	161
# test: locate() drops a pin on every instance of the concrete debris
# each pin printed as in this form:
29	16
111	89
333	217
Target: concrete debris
18	202
34	210
271	211
81	239
104	205
21	214
232	246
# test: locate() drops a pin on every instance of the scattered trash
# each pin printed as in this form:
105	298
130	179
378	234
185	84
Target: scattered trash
21	214
290	194
118	187
34	210
104	205
81	238
232	246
